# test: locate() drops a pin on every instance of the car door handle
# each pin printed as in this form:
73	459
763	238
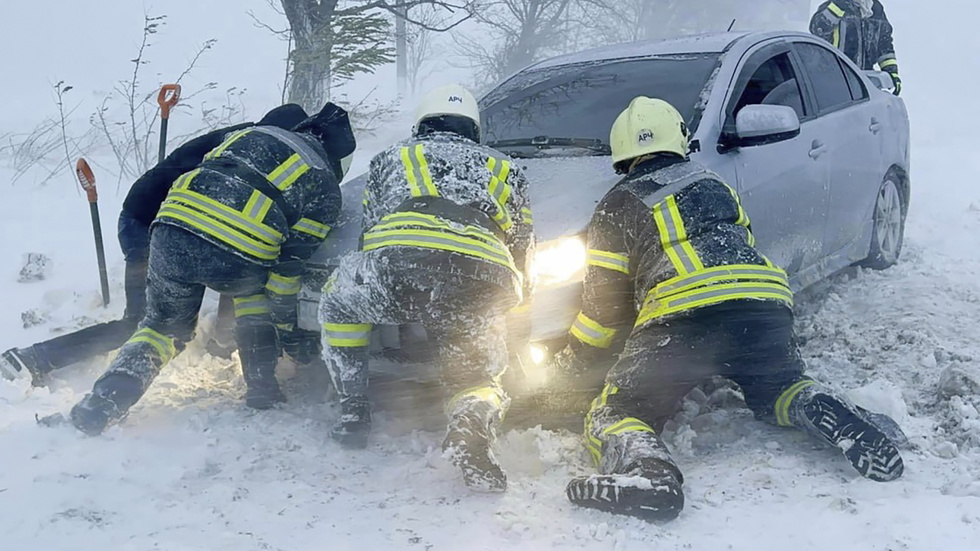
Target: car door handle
875	126
817	150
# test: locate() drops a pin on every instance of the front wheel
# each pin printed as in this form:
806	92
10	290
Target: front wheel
888	233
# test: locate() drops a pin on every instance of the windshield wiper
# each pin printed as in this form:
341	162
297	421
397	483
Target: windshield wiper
593	145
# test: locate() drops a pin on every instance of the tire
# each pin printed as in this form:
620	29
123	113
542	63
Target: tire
888	231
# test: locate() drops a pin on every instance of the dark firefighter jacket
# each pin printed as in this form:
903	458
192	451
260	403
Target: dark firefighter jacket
267	195
867	41
668	239
148	192
445	192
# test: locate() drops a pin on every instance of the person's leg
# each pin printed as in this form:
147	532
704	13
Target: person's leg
769	368
658	367
258	349
222	344
173	304
359	294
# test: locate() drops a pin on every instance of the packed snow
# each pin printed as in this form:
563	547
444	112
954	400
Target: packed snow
193	469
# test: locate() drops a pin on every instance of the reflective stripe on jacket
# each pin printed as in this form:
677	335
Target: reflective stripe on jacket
865	40
669	239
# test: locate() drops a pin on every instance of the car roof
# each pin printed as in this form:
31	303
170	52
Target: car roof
701	43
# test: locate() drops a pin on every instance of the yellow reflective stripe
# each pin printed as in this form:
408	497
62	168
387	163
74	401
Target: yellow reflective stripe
286	174
440	241
164	346
235	136
282	285
258	206
219	231
255	305
611	261
430	188
225	214
347	335
887	63
184	181
407	219
743	217
630	424
592	332
710	276
527	216
836	39
834	9
786	399
714	294
413	179
673	237
312	227
490	394
592	442
500	192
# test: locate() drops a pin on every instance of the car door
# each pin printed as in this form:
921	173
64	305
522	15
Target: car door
851	129
783	185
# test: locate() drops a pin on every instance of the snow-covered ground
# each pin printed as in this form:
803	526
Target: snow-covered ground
192	469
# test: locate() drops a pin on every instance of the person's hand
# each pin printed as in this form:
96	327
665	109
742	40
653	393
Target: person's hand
897	81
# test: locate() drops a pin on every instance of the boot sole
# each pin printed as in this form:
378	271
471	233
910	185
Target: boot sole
868	449
648	500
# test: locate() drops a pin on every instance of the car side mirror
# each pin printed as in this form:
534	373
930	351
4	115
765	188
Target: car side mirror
766	124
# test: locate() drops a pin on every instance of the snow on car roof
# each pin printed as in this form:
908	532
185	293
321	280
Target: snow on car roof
702	43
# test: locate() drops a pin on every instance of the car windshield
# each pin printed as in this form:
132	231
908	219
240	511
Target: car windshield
568	110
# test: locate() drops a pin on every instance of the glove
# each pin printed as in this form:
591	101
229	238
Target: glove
300	345
897	81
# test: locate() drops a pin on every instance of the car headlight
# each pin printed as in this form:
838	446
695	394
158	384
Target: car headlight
560	261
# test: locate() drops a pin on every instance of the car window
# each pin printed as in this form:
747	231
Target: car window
773	83
829	84
583	100
858	91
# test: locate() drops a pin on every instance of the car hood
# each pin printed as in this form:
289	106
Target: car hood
564	193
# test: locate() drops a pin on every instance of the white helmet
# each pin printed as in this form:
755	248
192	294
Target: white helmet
646	127
452	100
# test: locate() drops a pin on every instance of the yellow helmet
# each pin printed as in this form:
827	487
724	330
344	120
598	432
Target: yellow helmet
646	127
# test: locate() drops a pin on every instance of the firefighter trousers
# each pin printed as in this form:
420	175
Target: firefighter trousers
750	342
181	267
463	316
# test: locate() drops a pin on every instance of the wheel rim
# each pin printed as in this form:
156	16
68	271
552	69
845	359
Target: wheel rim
888	222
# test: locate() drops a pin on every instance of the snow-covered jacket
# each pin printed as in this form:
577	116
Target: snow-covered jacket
866	40
668	239
443	192
265	194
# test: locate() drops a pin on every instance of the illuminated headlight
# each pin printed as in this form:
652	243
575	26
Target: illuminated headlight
560	261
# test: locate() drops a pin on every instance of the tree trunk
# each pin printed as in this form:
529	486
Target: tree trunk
309	20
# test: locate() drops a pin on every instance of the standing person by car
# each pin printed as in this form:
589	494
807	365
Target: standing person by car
139	209
672	264
243	223
447	243
863	33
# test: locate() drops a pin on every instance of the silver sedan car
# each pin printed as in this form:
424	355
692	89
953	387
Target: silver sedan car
818	150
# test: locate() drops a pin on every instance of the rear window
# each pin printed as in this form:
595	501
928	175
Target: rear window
582	101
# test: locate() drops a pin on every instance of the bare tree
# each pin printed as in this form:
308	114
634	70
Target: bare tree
520	32
336	39
420	46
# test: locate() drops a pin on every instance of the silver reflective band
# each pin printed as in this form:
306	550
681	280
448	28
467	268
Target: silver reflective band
376	241
588	331
179	196
697	278
708	294
599	257
347	335
259	207
673	235
280	181
206	224
297	144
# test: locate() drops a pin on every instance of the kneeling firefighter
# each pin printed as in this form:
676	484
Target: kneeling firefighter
242	223
447	241
673	272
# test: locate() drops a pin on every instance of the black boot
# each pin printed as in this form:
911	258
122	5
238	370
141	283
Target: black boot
354	425
108	402
468	446
648	489
868	449
259	354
